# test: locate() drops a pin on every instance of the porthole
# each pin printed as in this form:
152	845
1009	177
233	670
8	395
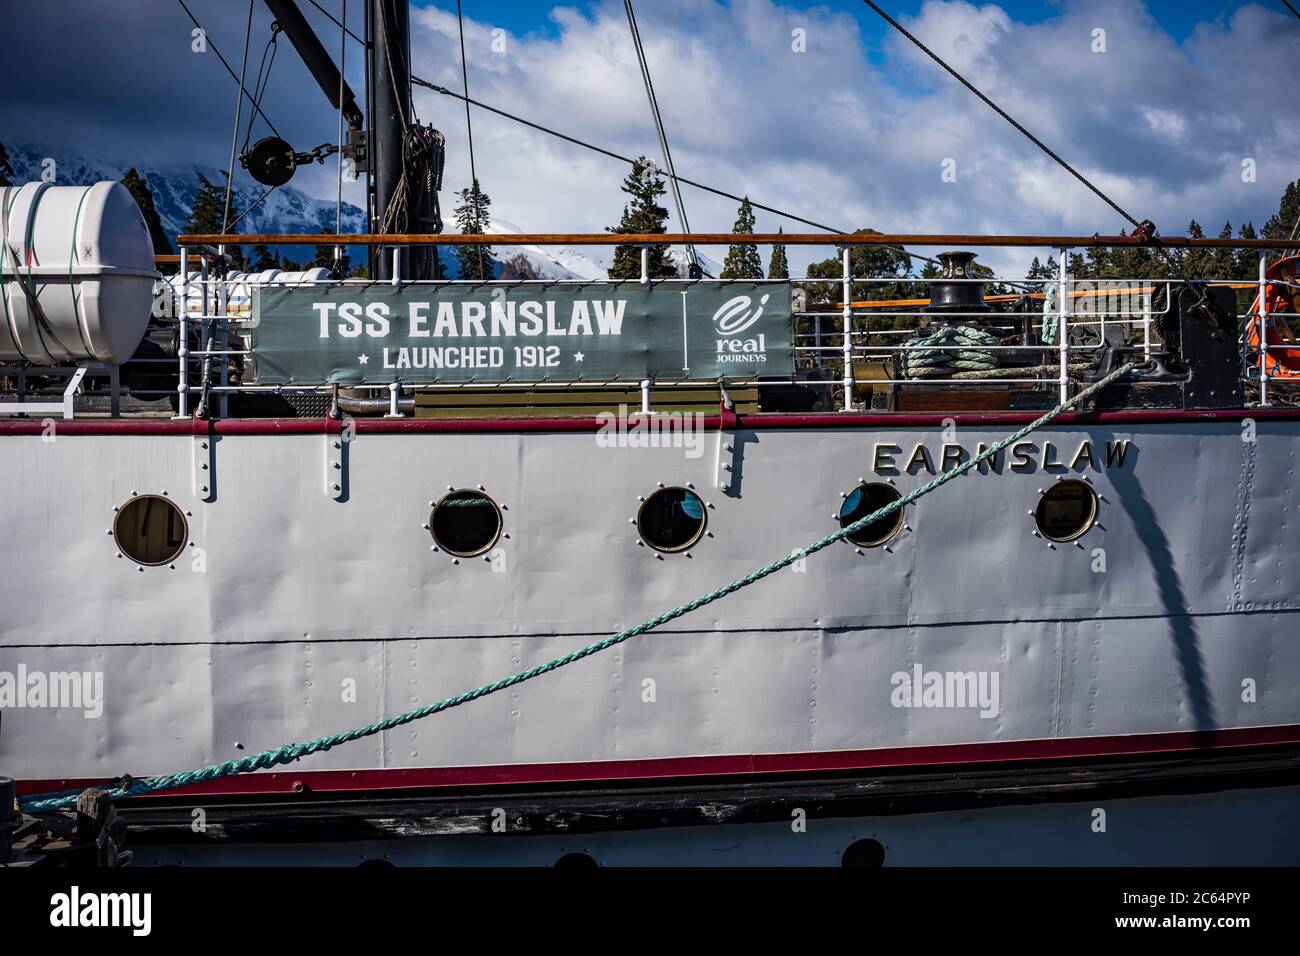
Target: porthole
150	530
864	854
671	519
1066	510
862	501
465	523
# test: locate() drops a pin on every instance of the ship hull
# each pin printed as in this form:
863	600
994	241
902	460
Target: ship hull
301	611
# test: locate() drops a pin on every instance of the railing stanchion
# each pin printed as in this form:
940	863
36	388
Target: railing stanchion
645	264
1063	331
1146	326
397	265
1262	321
183	373
848	330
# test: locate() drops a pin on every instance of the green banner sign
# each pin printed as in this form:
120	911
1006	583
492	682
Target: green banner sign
521	332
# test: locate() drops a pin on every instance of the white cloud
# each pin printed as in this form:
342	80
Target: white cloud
1160	125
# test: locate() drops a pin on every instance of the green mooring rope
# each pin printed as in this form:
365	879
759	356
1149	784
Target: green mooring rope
45	802
949	349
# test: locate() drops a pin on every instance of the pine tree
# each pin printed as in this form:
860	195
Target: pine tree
207	216
1196	263
6	171
472	216
263	260
1245	262
778	267
742	259
324	257
642	216
1285	223
865	262
138	186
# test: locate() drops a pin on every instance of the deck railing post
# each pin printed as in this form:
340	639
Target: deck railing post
183	373
848	330
1063	330
645	264
1262	320
1146	326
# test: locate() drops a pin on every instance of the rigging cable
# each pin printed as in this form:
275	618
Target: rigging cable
207	40
469	130
631	162
659	129
239	111
1145	229
337	22
263	78
1287	4
338	199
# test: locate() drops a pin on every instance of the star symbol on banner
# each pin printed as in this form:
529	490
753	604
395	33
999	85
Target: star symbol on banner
363	359
578	356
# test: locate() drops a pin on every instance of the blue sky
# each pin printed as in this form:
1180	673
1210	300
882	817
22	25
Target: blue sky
1178	17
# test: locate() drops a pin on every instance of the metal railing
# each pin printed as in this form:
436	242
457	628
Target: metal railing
844	333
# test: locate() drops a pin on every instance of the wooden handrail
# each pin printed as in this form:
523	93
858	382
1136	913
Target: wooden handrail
724	239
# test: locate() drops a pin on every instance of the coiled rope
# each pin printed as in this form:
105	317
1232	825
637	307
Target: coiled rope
126	787
951	349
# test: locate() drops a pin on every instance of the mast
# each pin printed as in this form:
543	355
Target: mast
390	111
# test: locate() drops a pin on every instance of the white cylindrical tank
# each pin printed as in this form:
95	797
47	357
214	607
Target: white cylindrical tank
76	274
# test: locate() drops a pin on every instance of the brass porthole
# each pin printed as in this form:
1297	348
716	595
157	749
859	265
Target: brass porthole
465	523
671	519
1066	510
150	530
862	501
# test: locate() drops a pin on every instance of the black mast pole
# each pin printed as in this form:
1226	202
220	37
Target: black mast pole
390	96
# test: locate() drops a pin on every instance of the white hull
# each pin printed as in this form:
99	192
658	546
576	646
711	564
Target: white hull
292	597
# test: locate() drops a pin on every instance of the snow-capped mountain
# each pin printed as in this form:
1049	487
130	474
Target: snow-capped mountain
290	210
174	187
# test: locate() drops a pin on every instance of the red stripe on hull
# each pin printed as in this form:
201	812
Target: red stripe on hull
670	768
317	426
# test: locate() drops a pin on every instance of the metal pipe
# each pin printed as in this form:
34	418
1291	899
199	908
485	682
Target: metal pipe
1262	321
183	372
847	268
390	82
1063	331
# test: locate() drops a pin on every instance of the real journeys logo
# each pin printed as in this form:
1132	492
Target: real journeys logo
733	317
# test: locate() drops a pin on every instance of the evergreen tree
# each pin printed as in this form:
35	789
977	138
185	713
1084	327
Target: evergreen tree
207	216
1285	223
1195	263
1245	262
472	216
325	259
263	260
742	259
642	216
865	262
778	267
138	186
6	171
